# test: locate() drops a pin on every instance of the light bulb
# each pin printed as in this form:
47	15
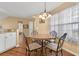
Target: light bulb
49	15
43	17
44	14
40	16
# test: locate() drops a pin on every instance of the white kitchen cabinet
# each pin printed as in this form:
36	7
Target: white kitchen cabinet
10	40
7	41
2	43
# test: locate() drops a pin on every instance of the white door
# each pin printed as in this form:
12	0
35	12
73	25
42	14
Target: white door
30	27
20	27
2	43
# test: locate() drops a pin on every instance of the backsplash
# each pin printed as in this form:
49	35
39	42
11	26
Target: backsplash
7	28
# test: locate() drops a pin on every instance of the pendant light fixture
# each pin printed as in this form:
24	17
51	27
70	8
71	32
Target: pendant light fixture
44	15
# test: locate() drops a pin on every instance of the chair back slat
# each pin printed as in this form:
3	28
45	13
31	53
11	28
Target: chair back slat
61	41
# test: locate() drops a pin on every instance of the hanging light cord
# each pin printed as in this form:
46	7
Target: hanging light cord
45	6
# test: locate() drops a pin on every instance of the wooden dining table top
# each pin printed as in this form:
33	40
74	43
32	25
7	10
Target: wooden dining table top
42	36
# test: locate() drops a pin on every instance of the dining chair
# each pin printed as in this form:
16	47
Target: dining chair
30	46
53	33
57	47
35	33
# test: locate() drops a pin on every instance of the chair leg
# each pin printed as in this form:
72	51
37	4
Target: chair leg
41	52
29	52
36	52
50	51
45	51
56	53
26	52
61	53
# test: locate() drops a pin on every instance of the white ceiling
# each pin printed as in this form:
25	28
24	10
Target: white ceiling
25	9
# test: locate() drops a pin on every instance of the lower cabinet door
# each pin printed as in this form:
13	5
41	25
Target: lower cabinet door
10	42
13	41
2	44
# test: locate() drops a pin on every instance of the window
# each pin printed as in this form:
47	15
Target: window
67	21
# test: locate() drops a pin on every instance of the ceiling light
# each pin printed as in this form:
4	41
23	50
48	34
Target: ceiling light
45	14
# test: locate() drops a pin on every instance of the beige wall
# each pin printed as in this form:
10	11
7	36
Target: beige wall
9	23
12	22
62	7
41	28
26	22
72	48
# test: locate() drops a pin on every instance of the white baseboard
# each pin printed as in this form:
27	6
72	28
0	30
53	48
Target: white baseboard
71	52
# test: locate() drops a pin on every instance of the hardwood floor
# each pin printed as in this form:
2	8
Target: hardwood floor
20	51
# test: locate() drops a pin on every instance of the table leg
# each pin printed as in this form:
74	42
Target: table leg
42	47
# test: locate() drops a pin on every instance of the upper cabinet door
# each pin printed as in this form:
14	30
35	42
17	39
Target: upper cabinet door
2	43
